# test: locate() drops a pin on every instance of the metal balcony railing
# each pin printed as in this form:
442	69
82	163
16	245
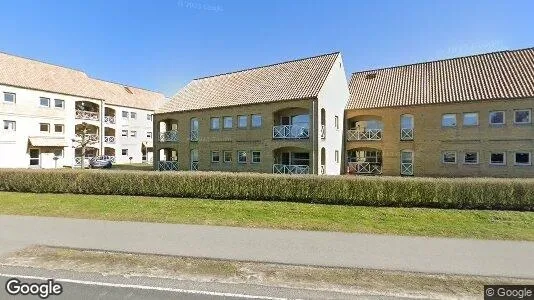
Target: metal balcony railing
291	169
407	169
365	168
169	136
194	166
167	166
323	132
291	132
364	135
406	134
193	136
109	139
93	137
323	169
87	115
109	119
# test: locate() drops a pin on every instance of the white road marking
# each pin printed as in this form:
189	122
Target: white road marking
142	287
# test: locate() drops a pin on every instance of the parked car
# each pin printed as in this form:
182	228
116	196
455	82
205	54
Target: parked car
100	162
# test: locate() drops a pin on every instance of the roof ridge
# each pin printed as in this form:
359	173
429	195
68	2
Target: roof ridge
266	66
44	62
441	60
126	85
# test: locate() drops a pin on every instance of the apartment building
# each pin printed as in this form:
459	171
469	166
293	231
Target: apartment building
282	118
43	107
467	116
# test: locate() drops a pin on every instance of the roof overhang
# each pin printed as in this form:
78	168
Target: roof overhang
40	141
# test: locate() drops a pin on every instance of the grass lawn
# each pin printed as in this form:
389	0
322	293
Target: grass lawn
510	225
137	166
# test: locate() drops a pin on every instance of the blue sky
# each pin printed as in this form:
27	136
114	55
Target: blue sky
162	45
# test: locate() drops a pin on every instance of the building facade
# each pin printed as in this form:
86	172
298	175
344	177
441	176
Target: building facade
43	107
468	116
284	118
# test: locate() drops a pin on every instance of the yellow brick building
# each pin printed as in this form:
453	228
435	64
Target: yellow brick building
468	116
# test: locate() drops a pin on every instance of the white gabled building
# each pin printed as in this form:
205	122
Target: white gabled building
42	106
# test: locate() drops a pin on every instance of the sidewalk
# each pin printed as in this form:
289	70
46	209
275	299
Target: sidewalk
419	254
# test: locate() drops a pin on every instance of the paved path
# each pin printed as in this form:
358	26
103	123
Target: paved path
430	255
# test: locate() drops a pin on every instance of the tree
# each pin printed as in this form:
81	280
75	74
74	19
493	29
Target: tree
82	140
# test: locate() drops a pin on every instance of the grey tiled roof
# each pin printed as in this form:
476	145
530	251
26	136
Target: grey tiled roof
498	75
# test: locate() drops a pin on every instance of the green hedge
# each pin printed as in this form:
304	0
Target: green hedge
464	193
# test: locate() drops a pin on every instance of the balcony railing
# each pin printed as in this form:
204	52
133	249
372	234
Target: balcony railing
193	136
109	139
323	169
291	132
169	136
406	134
194	166
365	168
109	157
364	135
93	137
291	169
407	169
323	132
167	166
78	161
109	119
87	115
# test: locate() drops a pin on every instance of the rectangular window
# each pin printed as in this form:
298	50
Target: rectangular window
124	151
133	133
496	117
10	97
256	121
448	120
44	127
215	158
242	121
44	102
58	128
227	156
336	156
133	115
58	153
215	123
58	103
336	122
242	157
497	158
522	116
125	133
149	134
125	114
522	159
256	157
448	157
149	117
471	158
10	125
471	119
228	122
34	157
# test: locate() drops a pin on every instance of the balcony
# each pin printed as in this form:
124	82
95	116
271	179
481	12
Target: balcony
169	136
109	119
109	139
323	132
93	137
87	115
291	132
364	135
167	166
365	168
407	169
193	136
406	134
291	169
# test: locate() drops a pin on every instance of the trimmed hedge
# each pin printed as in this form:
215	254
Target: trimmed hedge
464	193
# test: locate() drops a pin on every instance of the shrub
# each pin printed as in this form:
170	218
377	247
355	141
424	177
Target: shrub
464	193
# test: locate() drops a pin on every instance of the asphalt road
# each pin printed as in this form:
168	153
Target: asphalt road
419	254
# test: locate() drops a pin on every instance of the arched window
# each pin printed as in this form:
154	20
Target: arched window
407	126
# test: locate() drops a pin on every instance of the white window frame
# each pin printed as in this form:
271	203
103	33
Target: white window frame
259	156
48	126
59	101
455	121
148	117
218	156
125	114
239	157
133	133
224	122
449	152
503	158
503	117
122	152
62	128
252	123
529	116
133	115
471	163
523	164
239	121
336	156
14	98
218	123
44	98
224	156
336	122
470	113
38	159
13	128
124	132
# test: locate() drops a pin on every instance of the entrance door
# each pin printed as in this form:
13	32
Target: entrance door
194	160
406	162
35	155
